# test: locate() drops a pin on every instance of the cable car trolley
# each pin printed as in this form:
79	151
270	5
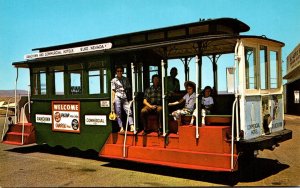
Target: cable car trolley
72	101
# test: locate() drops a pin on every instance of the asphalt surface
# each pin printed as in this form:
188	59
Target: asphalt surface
44	166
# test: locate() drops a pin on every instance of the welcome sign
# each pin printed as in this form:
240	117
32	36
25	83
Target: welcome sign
66	116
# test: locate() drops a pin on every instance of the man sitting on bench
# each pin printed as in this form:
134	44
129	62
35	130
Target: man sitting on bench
152	101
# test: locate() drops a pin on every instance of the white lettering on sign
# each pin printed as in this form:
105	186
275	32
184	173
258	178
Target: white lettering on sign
104	104
68	107
95	120
42	118
67	51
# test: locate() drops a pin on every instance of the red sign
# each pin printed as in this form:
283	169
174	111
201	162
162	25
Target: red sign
66	116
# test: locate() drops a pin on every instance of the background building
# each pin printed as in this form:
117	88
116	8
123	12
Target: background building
293	82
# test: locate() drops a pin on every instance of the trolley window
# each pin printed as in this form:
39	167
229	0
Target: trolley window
251	76
59	80
263	67
274	69
39	82
97	79
75	72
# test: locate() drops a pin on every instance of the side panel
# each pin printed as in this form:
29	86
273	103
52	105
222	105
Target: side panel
90	136
94	126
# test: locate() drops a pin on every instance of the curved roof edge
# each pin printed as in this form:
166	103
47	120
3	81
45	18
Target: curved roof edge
264	38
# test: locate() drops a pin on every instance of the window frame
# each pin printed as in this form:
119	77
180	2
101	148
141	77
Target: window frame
36	88
103	78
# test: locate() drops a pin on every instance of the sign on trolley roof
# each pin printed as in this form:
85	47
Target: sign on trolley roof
82	49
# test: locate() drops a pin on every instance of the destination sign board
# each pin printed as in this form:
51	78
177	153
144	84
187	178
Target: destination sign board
67	51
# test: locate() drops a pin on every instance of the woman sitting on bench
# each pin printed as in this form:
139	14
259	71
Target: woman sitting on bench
189	100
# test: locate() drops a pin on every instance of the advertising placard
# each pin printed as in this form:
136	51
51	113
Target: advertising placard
276	112
253	117
66	116
43	118
95	120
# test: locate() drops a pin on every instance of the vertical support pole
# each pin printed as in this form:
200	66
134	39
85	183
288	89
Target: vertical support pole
236	74
199	81
23	119
235	107
165	110
232	134
186	69
140	80
241	72
215	69
197	96
16	88
133	73
28	96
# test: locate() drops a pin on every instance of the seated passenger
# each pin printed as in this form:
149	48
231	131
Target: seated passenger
173	85
207	104
207	101
152	101
189	98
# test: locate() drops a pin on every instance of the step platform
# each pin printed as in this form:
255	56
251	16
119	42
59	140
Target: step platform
210	152
14	134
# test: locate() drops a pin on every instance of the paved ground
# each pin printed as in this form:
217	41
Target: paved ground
33	165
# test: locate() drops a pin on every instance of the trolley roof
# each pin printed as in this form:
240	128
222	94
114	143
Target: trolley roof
180	40
206	27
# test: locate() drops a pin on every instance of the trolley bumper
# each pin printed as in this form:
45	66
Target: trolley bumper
265	141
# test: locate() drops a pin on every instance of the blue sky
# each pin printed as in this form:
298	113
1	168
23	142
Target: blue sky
28	24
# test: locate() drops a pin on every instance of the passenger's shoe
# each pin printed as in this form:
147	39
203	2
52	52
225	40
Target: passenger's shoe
131	128
121	130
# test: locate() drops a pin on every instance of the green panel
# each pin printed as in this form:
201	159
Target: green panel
90	136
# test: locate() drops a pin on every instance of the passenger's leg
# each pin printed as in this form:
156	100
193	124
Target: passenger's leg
159	114
144	116
176	114
128	110
118	110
